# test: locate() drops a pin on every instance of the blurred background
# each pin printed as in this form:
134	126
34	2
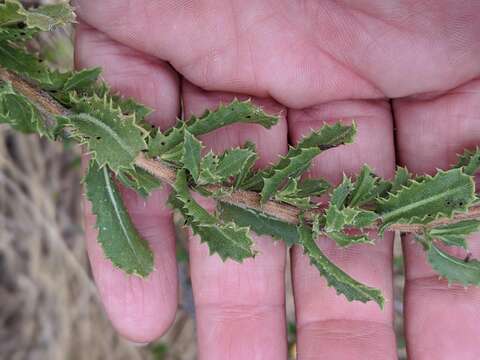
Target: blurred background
49	306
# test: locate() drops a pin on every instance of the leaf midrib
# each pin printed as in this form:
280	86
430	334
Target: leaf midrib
419	203
111	196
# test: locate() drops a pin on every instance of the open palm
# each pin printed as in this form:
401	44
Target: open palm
408	72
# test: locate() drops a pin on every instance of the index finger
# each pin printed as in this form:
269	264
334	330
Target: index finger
140	309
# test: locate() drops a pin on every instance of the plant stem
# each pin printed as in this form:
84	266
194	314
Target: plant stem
247	199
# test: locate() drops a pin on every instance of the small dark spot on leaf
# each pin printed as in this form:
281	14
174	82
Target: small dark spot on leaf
99	137
162	143
21	25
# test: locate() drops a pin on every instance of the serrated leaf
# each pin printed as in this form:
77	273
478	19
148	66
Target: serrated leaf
11	13
364	218
466	272
295	163
232	163
336	278
127	106
246	166
82	79
334	219
313	187
298	192
401	179
46	17
290	195
191	154
341	192
30	67
258	222
43	18
235	161
226	239
363	188
442	195
344	240
299	158
16	35
469	161
235	112
17	111
118	237
337	220
112	138
454	234
139	180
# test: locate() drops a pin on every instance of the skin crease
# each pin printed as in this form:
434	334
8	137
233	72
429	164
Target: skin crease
312	61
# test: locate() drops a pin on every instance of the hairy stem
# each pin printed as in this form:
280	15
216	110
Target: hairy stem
248	199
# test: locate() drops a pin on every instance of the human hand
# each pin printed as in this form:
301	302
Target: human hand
315	61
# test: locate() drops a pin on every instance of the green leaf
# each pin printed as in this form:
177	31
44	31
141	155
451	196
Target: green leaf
258	222
290	195
17	111
299	158
335	219
11	13
402	178
112	138
297	193
46	17
139	180
469	161
329	136
313	187
341	192
246	166
364	188
336	278
235	112
82	79
295	163
344	240
191	156
364	218
233	162
454	234
16	35
127	106
466	272
442	195
226	239
118	237
30	67
43	18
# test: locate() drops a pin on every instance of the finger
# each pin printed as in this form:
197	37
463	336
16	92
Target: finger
328	326
140	309
239	307
442	322
232	47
